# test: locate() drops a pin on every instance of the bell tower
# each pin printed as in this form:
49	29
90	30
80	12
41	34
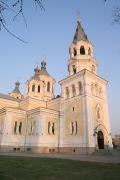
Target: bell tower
81	53
84	100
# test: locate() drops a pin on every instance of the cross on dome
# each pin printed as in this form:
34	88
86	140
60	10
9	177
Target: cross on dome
43	65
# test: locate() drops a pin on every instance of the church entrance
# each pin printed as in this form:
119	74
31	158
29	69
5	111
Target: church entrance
100	139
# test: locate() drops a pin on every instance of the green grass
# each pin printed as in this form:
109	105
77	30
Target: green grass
30	168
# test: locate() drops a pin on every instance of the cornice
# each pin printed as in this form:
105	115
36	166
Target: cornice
83	72
40	110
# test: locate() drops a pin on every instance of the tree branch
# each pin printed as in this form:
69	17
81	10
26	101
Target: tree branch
16	6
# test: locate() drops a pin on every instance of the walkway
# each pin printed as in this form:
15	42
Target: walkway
92	158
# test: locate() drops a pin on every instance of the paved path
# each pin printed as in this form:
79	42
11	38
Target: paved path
92	158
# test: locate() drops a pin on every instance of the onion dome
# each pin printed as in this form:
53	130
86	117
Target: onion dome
16	91
43	70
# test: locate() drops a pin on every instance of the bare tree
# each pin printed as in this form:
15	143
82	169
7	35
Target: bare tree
16	7
115	13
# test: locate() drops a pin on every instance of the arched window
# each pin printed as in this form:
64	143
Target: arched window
20	127
82	50
93	69
67	92
100	91
28	89
73	127
53	128
80	87
15	127
49	127
96	89
89	51
73	90
39	89
48	87
74	69
98	111
33	88
75	52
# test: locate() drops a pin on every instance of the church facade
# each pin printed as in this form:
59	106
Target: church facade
77	121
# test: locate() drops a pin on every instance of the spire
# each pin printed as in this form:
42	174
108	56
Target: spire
79	34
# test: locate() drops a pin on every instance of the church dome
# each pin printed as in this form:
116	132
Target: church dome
16	91
41	84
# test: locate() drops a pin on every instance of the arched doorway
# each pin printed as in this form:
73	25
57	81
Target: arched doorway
100	139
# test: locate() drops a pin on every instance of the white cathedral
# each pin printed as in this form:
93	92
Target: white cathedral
77	121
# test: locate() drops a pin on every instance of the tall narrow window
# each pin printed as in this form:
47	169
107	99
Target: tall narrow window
53	128
100	91
48	87
73	90
80	87
75	52
34	127
31	127
67	92
28	89
33	88
96	89
52	89
20	127
49	127
15	127
93	69
74	69
89	51
98	113
39	89
82	50
73	127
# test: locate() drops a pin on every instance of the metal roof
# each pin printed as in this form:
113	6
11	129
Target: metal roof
80	34
8	97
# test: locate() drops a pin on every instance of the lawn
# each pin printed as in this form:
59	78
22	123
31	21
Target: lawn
30	168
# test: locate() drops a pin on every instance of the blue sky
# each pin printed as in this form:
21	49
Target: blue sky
49	35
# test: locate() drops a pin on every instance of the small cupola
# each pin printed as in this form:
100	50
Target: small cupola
43	70
37	71
16	91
